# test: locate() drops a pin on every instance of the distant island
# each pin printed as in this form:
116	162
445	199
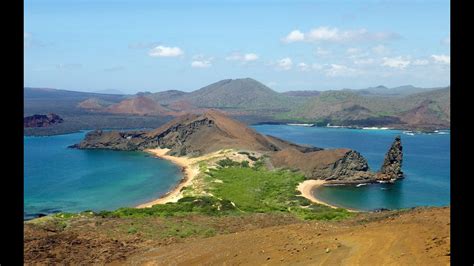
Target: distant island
251	102
39	120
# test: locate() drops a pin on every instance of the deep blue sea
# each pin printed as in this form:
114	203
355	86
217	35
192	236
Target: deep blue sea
426	164
57	178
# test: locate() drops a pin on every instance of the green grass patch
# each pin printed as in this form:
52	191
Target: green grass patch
185	206
260	190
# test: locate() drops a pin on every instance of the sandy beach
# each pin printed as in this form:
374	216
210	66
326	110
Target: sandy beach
190	171
306	187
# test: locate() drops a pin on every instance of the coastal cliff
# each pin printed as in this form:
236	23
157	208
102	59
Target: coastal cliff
341	166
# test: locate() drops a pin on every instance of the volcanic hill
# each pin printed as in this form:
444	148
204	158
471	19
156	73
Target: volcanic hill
39	120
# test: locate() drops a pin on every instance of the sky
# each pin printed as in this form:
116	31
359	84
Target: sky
145	45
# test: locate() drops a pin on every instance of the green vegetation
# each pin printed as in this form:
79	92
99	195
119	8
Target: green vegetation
259	190
184	206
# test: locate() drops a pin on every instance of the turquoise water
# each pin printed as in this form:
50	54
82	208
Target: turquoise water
426	165
58	178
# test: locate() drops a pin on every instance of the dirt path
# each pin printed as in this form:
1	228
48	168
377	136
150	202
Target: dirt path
418	237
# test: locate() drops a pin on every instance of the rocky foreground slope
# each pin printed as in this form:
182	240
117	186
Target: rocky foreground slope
413	237
196	135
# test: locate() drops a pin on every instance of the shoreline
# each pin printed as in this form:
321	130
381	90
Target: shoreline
189	170
307	188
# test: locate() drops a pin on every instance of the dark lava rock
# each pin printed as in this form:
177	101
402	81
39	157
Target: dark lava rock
392	166
380	210
42	120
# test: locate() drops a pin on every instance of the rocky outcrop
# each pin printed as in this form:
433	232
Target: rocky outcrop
191	135
334	165
392	165
38	120
341	166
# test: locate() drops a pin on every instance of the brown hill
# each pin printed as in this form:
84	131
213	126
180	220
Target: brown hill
140	105
425	115
92	104
191	134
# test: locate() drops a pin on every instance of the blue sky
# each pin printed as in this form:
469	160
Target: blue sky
139	45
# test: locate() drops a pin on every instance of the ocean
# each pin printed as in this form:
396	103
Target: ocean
61	179
426	164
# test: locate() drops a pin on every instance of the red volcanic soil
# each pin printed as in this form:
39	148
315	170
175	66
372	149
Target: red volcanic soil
140	105
415	237
423	115
213	131
90	104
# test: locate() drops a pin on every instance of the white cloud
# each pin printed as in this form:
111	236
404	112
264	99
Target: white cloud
164	51
249	57
366	61
285	63
352	50
420	62
396	62
443	59
335	70
381	50
201	64
317	66
303	67
327	34
322	52
356	53
200	61
324	34
294	36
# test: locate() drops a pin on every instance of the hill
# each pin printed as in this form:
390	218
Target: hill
345	107
191	134
140	105
247	100
40	100
399	91
81	111
240	94
301	93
